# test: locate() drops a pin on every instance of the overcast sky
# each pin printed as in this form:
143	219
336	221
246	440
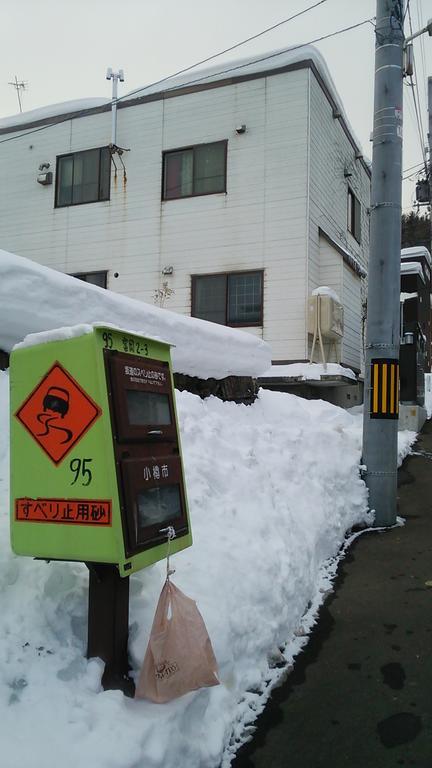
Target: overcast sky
62	49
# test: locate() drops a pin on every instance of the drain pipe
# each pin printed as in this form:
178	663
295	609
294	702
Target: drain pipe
115	77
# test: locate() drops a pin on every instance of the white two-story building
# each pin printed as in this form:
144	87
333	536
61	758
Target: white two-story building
230	194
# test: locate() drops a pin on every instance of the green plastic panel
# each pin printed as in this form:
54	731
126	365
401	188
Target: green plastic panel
69	506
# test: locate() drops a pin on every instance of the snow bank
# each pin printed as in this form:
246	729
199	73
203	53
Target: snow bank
34	298
272	488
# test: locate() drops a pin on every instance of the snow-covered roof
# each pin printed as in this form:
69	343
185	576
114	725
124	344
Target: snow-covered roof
412	268
52	110
34	298
407	297
266	63
417	250
308	371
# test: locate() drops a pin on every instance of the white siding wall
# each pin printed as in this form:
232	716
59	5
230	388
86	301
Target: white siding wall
352	338
259	224
330	155
335	273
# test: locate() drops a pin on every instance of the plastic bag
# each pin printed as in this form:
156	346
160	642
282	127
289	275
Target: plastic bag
179	656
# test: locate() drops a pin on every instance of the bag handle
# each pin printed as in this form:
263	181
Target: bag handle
171	534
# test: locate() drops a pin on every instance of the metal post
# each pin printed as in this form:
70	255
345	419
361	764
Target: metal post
108	625
382	340
114	110
430	156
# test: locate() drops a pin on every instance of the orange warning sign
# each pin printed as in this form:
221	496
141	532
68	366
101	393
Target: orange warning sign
58	413
79	511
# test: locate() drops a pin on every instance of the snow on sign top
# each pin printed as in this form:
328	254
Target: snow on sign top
36	299
219	71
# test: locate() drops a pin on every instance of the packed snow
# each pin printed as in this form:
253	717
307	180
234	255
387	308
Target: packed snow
34	298
273	489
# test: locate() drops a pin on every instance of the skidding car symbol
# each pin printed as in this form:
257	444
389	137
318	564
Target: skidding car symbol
55	404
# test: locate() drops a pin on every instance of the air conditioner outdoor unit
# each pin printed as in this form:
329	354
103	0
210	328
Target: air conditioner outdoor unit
325	322
330	320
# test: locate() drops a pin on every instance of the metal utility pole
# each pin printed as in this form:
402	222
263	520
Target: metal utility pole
430	156
381	400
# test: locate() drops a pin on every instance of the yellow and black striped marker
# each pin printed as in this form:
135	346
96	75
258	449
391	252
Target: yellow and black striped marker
384	400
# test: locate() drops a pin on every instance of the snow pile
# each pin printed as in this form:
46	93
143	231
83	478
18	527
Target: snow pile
272	488
34	298
308	371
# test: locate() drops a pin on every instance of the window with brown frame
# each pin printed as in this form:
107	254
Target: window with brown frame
197	170
83	177
354	215
234	298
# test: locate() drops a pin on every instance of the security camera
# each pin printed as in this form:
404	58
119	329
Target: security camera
241	128
109	73
121	75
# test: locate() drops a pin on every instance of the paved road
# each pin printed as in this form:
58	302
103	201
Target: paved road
361	693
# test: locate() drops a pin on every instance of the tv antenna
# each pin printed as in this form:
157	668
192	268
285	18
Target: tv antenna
19	85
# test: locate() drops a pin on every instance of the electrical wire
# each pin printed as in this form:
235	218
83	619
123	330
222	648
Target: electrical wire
221	53
84	113
422	48
416	165
415	92
274	54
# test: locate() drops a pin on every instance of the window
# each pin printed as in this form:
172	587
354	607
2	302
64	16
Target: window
199	170
95	278
229	299
354	215
83	177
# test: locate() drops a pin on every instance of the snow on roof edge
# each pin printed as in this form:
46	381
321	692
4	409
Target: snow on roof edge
35	298
264	63
416	250
52	110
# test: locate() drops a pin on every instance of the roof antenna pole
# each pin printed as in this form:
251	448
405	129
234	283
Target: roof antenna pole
115	77
19	86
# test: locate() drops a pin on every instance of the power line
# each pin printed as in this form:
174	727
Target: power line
416	165
221	53
422	48
274	54
415	93
85	112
